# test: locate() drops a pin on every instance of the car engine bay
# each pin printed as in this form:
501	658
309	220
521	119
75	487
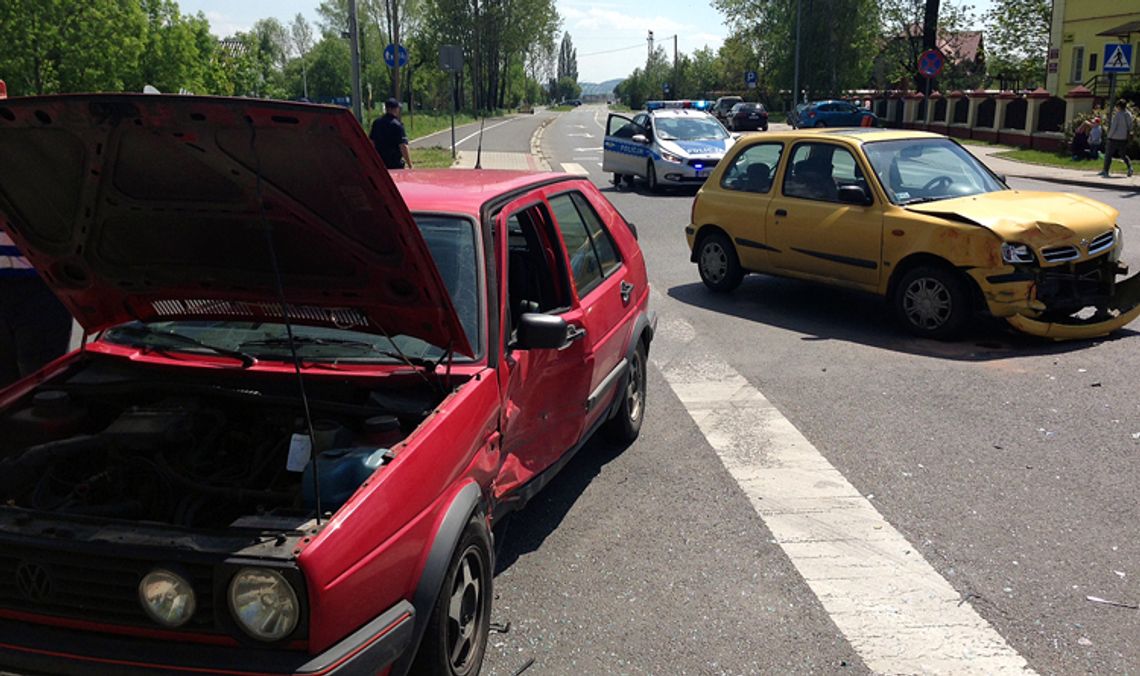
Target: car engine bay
103	443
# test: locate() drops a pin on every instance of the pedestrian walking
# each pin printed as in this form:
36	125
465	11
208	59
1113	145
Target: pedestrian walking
1096	138
389	137
1119	129
35	327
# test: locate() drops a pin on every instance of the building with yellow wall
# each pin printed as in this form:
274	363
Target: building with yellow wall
1080	31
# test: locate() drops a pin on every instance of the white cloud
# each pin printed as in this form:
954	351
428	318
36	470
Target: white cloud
223	25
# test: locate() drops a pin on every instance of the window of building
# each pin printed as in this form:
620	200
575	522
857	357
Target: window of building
1092	62
1078	63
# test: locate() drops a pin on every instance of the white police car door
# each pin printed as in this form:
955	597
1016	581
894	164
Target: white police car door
620	153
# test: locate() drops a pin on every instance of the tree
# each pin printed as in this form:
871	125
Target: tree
301	41
55	46
567	59
838	39
1018	35
903	40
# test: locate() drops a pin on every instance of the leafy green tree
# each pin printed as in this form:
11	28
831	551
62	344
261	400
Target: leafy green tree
330	68
58	46
903	41
1017	33
300	43
838	39
567	59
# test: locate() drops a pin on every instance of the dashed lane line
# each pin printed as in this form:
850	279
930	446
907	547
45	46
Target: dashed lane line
897	612
574	168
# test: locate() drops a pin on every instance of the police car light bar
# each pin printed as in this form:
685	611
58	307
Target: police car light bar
679	103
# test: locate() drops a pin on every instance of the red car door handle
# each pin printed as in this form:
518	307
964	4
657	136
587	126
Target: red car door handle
626	292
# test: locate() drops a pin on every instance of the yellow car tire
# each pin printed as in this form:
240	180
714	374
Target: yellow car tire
932	302
718	263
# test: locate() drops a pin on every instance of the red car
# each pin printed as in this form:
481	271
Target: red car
314	389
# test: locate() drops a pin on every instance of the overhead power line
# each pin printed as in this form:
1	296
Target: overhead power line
621	49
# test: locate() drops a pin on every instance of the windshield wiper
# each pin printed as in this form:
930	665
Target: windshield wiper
142	333
303	341
923	200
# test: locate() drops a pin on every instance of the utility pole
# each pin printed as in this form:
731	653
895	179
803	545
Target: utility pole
796	70
649	58
354	47
674	52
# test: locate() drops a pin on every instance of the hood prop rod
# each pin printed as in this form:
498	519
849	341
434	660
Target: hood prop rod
288	324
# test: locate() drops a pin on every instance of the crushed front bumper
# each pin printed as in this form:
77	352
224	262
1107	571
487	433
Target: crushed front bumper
1119	311
1072	302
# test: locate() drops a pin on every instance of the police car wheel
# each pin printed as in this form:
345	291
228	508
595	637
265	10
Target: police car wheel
651	177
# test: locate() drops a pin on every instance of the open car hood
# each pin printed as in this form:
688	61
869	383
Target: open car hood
1036	218
154	207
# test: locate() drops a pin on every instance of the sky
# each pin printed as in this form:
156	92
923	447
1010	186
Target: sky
610	35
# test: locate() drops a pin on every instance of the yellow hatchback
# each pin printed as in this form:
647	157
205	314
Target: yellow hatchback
914	217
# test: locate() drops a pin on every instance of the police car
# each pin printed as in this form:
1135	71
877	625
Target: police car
672	143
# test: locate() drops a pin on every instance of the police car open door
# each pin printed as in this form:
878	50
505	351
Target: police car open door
620	153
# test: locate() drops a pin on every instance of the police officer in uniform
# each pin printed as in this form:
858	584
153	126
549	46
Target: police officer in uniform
35	327
390	139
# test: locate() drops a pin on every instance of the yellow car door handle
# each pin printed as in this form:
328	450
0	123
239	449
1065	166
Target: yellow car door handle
781	212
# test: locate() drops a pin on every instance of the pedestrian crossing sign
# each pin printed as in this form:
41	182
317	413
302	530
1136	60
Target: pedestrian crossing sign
1117	58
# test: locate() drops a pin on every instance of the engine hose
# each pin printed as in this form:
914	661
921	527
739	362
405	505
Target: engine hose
234	493
24	470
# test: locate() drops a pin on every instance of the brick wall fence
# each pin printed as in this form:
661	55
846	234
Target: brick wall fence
1031	119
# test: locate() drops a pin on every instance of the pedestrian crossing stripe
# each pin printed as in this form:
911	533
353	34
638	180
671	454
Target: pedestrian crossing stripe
1117	58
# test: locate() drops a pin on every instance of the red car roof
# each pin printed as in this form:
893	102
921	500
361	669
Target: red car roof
463	191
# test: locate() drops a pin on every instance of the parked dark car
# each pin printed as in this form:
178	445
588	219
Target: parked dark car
832	114
724	105
748	117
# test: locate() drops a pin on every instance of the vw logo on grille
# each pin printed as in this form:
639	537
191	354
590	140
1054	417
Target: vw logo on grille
33	581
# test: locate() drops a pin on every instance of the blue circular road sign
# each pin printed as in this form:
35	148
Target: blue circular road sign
930	63
390	55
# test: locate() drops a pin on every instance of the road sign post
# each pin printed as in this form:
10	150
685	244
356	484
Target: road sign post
750	79
930	65
451	61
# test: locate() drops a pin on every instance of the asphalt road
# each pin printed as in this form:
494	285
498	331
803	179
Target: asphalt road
510	134
1009	464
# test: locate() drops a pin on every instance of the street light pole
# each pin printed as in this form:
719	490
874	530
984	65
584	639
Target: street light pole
354	47
796	76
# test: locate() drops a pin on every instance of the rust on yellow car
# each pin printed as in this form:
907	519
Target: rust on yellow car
914	217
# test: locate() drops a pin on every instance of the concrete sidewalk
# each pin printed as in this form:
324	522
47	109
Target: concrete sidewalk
1086	178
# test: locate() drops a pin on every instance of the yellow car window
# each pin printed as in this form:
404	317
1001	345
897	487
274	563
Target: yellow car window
753	168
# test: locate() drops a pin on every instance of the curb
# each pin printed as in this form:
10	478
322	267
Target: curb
536	142
1084	183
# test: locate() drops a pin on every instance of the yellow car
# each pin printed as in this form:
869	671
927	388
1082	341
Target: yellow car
914	217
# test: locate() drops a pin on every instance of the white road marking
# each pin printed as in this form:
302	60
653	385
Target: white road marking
574	168
583	135
497	124
898	613
588	150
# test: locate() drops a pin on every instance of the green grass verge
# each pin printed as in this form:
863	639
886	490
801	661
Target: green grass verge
976	142
776	116
1051	159
620	108
420	124
435	157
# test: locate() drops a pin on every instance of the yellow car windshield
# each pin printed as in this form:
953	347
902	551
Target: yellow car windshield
926	170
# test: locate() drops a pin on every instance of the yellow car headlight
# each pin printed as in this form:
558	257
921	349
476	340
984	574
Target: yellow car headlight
1012	252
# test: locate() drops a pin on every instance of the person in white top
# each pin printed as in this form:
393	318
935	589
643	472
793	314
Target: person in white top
35	327
1119	129
1096	138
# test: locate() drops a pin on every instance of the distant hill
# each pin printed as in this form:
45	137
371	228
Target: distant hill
599	89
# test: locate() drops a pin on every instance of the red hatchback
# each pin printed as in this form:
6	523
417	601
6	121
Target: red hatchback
314	389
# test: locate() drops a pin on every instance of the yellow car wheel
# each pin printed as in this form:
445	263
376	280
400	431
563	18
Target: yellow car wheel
932	302
718	264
